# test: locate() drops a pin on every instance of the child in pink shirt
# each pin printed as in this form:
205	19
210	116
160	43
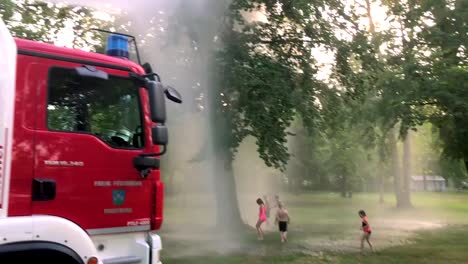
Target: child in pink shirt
261	218
366	229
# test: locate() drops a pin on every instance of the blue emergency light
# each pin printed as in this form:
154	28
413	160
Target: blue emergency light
117	46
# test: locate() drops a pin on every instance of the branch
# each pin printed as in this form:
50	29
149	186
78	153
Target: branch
35	5
422	103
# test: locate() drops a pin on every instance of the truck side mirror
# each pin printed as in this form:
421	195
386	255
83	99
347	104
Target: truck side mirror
160	135
157	102
173	95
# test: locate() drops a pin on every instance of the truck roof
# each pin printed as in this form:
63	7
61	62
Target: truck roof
41	49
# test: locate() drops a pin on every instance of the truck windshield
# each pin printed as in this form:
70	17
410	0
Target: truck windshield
109	109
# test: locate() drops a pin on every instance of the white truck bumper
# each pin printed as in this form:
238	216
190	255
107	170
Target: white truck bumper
156	247
129	248
138	247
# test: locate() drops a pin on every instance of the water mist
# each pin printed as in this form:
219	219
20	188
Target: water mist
180	39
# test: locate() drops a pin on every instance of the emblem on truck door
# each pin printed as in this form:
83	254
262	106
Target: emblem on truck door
118	197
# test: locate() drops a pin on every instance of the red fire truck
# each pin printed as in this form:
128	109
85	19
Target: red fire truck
80	138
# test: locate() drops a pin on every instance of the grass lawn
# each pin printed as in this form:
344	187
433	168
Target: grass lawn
325	229
448	245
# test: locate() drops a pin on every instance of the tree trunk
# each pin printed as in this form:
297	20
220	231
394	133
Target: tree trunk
369	15
381	188
220	138
424	183
395	166
227	206
374	40
228	217
219	134
406	182
228	213
343	186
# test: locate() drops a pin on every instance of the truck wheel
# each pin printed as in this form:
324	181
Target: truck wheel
38	253
37	257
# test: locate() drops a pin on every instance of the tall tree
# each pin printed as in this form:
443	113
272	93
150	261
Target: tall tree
269	76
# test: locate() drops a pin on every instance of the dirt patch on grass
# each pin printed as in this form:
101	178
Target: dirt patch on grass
385	233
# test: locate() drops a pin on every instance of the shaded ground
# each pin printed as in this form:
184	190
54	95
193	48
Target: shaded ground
323	226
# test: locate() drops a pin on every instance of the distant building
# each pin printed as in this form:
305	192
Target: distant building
428	183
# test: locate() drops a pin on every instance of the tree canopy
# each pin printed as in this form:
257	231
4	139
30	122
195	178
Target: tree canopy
267	78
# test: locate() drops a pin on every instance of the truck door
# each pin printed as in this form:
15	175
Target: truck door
88	132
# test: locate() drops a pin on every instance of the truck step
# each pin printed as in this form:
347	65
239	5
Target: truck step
123	260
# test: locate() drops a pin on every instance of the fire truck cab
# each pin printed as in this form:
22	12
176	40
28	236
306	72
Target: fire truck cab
80	136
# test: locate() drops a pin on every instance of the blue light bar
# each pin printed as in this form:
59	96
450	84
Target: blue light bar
117	46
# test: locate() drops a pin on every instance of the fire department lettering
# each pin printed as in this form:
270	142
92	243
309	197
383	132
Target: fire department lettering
102	183
118	211
118	183
63	163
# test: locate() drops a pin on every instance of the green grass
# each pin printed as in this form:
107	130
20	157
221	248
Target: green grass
440	246
325	229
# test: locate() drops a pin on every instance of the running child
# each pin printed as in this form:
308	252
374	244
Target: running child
282	218
277	200
366	230
261	218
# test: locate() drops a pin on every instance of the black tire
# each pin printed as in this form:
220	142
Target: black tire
37	253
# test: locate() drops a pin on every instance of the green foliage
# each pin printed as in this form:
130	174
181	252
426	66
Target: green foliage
452	115
266	65
264	105
46	22
430	69
268	74
410	74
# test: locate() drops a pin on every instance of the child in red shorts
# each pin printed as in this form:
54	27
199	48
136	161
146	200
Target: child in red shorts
282	218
